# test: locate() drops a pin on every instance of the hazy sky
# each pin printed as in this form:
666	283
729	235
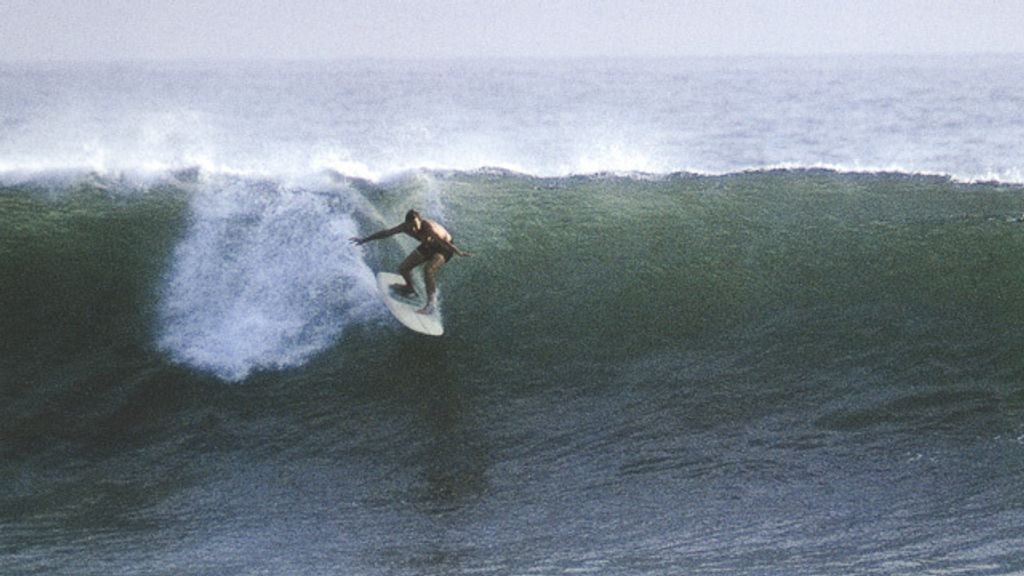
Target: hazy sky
314	29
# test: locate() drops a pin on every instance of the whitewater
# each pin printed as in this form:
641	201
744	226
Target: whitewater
725	316
957	115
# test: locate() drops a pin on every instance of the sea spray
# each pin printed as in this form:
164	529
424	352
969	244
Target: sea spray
262	279
955	116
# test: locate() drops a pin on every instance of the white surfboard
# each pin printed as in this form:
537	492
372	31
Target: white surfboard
404	308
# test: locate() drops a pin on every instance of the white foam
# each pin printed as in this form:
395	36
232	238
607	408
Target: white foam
544	119
265	278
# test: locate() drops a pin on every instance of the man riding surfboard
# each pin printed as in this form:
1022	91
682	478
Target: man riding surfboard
435	249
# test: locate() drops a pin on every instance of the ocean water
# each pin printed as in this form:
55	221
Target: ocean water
725	316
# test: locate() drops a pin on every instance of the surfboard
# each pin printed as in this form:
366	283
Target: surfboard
404	308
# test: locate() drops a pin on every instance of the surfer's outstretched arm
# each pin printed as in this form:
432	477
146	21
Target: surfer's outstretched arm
378	235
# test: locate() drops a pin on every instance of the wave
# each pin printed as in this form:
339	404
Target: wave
234	274
761	334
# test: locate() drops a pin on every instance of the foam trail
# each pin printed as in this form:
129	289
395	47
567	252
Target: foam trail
263	279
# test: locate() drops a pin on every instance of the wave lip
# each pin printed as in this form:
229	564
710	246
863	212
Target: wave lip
60	175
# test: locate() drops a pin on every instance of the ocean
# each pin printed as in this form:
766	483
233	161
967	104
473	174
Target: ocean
724	316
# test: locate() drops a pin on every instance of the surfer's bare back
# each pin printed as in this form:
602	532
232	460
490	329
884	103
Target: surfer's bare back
434	250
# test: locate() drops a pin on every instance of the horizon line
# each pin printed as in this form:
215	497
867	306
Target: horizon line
507	57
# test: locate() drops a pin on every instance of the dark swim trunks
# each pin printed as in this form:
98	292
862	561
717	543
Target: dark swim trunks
428	251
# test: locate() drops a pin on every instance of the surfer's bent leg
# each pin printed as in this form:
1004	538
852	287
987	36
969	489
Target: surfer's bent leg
433	264
405	269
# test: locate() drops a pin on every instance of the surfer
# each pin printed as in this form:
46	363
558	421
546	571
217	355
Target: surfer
434	250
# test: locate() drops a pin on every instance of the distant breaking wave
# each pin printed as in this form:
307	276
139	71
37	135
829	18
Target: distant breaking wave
148	174
956	116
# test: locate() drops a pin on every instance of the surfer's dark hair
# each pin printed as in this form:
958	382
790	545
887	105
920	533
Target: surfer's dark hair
412	214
